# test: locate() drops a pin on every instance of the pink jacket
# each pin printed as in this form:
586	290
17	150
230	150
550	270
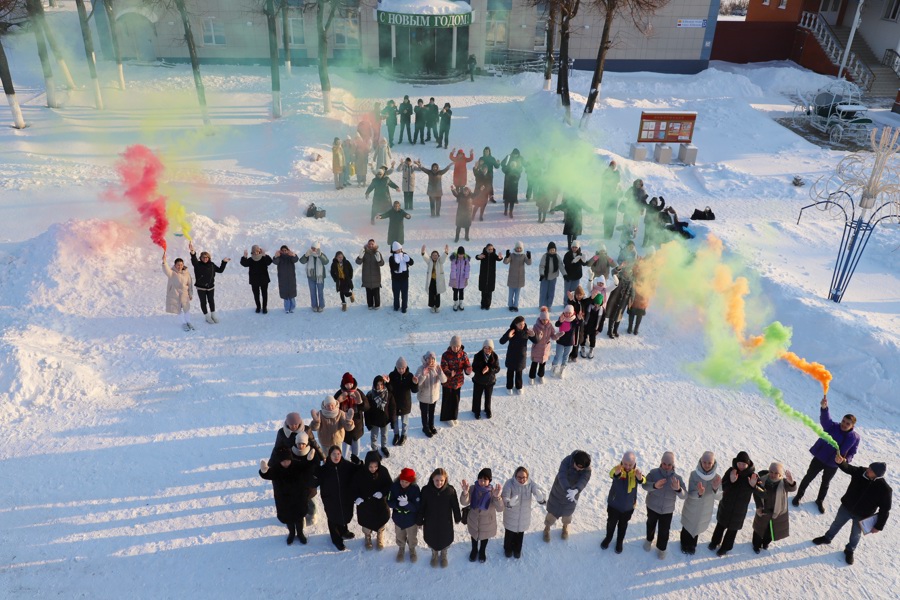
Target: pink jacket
459	271
544	332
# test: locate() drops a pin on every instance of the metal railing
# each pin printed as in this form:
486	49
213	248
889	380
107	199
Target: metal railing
834	49
517	61
891	59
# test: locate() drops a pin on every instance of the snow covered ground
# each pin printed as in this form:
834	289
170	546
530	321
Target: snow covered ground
131	447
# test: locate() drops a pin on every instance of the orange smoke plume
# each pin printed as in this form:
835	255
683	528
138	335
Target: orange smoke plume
815	370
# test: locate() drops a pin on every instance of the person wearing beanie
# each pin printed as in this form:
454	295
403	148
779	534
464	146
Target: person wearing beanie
455	365
664	487
430	377
867	503
567	327
285	260
331	423
407	170
516	496
622	499
435	187
704	488
544	334
573	217
573	476
404	499
370	486
485	367
399	264
353	402
438	510
844	433
487	275
316	270
402	384
738	484
342	274
460	170
287	438
460	265
484	503
515	281
548	273
581	302
334	476
371	260
290	476
389	114
435	284
772	522
601	264
257	263
396	217
653	221
593	305
517	336
205	281
573	268
381	412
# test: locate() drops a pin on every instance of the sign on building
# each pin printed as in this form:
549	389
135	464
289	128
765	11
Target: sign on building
667	127
691	23
425	21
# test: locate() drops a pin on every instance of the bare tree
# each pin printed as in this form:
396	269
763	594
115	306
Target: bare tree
89	52
114	36
273	59
36	13
568	10
286	37
551	42
640	11
7	9
325	12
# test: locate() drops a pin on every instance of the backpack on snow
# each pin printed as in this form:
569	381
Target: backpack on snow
703	215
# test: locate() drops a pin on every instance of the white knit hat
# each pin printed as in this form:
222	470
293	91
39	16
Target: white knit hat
488	344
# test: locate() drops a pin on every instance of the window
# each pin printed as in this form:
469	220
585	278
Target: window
540	28
496	28
213	32
891	10
765	2
346	28
782	4
835	5
295	30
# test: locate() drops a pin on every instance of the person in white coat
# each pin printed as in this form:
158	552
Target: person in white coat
704	488
435	282
518	493
179	291
430	377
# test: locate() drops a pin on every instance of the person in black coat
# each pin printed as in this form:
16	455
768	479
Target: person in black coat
487	275
581	302
371	485
438	510
290	477
399	264
403	384
335	478
517	335
382	411
389	114
257	264
406	111
485	367
431	119
205	280
619	299
867	496
573	219
573	267
421	118
653	221
738	484
444	116
404	499
512	167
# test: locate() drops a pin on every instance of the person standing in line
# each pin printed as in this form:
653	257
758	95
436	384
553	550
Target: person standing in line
444	118
517	495
664	486
335	477
404	499
573	476
205	281
567	327
738	484
381	193
517	335
544	333
601	264
342	274
637	310
435	188
348	149
548	271
382	412
395	216
337	163
435	285
399	264
484	503
581	303
460	171
573	268
361	148
485	367
354	403
438	511
284	261
487	274
868	497
460	264
315	261
407	182
331	423
622	499
431	121
594	317
618	301
389	114
844	433
455	365
382	157
421	118
464	203
179	291
512	169
573	218
290	479
370	486
490	163
482	190
430	377
371	260
406	111
402	384
515	281
704	488
771	522
258	271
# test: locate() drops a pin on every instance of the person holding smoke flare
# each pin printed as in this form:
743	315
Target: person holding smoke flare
179	291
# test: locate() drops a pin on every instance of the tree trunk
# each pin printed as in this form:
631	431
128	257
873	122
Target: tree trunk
54	4
49	82
562	78
322	30
36	9
551	43
597	79
9	90
89	52
114	34
195	62
273	59
286	37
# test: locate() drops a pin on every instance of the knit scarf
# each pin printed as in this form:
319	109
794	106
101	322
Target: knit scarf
340	270
555	259
329	414
481	497
401	259
706	476
379	399
629	475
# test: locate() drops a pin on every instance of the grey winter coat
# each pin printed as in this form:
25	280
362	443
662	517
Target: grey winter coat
568	477
696	514
517	503
316	266
371	261
407	177
516	262
482	524
435	189
287	275
552	273
772	498
662	500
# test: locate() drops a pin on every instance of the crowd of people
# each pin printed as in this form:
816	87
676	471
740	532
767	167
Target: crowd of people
299	470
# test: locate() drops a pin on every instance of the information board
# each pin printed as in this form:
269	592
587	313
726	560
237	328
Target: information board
661	127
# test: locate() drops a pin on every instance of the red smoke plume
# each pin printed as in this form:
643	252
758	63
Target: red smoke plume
140	170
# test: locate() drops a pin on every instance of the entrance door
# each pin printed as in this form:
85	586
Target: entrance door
137	37
829	10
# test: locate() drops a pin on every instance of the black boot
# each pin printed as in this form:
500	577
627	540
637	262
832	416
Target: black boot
616	330
301	537
291	534
396	440
474	553
482	552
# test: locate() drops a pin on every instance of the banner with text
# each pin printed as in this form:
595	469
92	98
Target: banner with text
425	21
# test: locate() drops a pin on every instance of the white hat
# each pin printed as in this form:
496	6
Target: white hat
316	245
396	247
488	344
302	438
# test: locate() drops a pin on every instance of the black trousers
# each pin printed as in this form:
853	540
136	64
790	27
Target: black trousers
514	376
373	296
207	296
420	133
404	125
336	530
536	370
434	299
727	542
512	541
427	415
391	129
449	403
762	541
400	287
443	135
634	322
459	294
688	541
816	466
407	200
658	524
260	290
617	520
477	391
486	299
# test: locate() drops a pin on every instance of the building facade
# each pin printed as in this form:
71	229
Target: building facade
433	37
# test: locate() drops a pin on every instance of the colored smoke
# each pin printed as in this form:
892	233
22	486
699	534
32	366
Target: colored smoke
815	370
140	170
